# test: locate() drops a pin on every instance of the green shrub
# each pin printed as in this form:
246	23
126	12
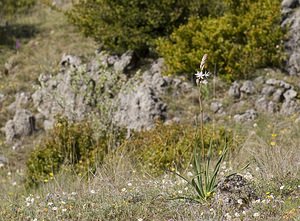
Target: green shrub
134	24
9	7
170	146
246	37
69	144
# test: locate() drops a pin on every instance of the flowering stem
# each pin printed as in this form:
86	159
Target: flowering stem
201	121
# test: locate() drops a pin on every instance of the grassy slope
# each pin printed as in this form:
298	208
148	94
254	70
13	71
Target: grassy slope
118	191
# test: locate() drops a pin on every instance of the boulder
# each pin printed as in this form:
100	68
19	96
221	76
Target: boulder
249	115
290	107
216	107
23	124
291	21
140	108
125	62
264	105
290	94
248	88
234	90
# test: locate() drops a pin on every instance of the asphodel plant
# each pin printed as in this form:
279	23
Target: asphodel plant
204	181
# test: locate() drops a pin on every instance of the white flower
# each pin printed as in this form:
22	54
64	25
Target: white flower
129	184
256	215
92	191
73	193
281	187
189	174
140	219
202	75
50	204
123	190
237	214
63	209
179	191
240	201
54	208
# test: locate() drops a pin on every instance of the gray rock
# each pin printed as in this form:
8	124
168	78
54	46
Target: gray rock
290	94
234	90
22	100
216	107
290	107
291	21
197	118
248	88
124	63
70	60
139	109
272	82
23	124
284	85
278	95
249	115
234	193
290	3
268	90
3	161
263	105
2	98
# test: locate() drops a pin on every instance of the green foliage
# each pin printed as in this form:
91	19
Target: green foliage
134	24
170	147
69	144
9	7
246	37
205	180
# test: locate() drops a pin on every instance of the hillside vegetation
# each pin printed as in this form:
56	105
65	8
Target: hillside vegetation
175	170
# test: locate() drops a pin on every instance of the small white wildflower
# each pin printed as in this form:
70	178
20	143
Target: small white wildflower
123	190
54	208
227	215
282	187
140	219
212	210
244	212
255	125
73	193
179	191
63	209
237	214
129	184
248	176
189	174
240	201
256	214
14	183
92	191
186	188
1	165
63	202
9	174
257	169
50	204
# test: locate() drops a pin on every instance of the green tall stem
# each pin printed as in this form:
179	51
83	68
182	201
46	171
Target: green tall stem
201	121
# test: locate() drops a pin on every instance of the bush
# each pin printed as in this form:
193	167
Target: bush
69	144
170	146
246	37
134	24
9	7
